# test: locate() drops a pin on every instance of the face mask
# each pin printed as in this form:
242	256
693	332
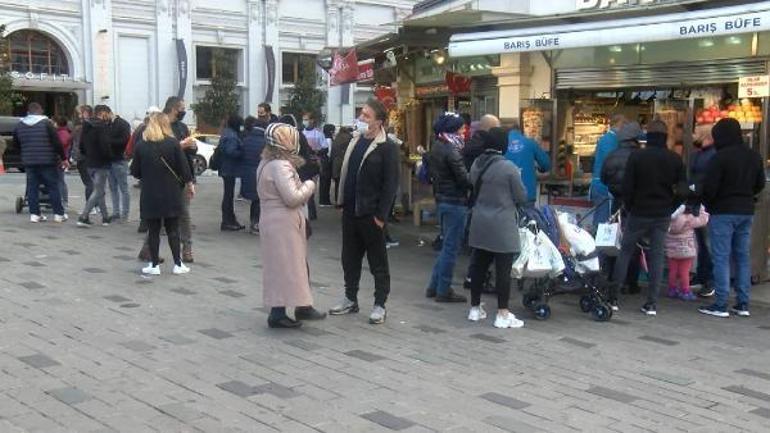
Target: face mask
306	124
361	126
180	115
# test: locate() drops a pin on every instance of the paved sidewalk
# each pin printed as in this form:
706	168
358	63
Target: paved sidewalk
88	345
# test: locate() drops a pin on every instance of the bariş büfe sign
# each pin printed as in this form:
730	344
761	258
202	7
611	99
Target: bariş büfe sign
757	86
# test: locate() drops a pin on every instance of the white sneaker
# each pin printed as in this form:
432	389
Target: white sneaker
151	270
477	313
60	218
508	321
181	269
37	218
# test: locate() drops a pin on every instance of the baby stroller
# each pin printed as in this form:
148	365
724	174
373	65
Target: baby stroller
43	199
580	275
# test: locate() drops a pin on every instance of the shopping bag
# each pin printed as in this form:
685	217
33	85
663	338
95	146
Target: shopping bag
581	242
608	238
526	243
542	259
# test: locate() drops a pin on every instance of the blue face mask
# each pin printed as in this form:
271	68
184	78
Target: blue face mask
361	126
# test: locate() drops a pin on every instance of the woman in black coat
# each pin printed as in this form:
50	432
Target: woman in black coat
161	165
232	160
253	144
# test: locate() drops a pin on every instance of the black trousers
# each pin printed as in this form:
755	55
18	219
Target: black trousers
636	229
172	233
85	177
481	260
362	236
228	209
325	186
254	212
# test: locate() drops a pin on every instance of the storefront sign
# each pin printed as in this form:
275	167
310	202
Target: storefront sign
428	91
365	72
715	22
16	75
344	69
609	4
757	86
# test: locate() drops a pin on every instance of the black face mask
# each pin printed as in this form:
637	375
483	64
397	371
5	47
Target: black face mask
180	115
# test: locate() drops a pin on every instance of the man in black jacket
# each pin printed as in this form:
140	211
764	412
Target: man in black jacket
734	177
654	183
368	186
451	185
120	133
96	146
41	153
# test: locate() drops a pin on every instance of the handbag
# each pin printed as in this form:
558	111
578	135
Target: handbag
609	236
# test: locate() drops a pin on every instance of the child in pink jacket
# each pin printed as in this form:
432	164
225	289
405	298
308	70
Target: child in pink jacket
681	249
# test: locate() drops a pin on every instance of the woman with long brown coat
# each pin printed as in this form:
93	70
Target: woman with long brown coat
282	196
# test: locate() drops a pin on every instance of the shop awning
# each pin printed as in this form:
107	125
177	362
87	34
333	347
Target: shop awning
748	18
49	85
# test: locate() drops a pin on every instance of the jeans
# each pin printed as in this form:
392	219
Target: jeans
228	210
47	175
119	188
704	272
362	236
63	190
600	198
99	177
637	228
452	217
85	177
503	262
172	233
731	240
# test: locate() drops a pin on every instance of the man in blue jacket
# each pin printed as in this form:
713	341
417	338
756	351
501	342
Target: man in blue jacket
600	194
526	154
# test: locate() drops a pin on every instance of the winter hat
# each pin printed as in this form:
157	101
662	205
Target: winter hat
630	131
496	139
657	133
727	132
448	122
282	136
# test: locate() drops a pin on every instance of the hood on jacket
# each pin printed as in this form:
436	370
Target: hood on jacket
656	139
33	119
726	133
629	134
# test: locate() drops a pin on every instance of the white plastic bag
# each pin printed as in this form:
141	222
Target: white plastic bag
544	258
526	243
580	241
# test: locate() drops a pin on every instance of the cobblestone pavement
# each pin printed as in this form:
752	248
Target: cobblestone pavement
87	345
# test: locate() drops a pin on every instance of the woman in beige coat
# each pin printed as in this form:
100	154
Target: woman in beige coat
282	196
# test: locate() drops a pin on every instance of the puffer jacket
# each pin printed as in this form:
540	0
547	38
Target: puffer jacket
614	167
680	240
451	182
232	154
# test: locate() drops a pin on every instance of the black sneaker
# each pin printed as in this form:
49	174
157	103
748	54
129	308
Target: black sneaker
467	283
84	222
452	297
714	310
706	292
430	293
741	310
283	322
308	313
106	221
649	309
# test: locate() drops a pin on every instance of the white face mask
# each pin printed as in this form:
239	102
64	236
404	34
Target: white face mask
306	124
361	126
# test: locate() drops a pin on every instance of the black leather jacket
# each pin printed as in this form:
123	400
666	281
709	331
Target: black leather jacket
451	182
614	167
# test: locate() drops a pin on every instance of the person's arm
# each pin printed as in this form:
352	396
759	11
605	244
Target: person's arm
518	190
457	165
294	193
712	179
58	147
681	188
182	167
136	162
231	146
391	170
542	159
761	179
629	181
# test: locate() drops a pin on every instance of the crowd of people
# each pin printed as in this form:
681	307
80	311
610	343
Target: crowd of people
483	177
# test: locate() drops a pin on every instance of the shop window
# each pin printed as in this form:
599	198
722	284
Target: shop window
291	65
31	51
592	57
428	71
697	49
763	44
210	61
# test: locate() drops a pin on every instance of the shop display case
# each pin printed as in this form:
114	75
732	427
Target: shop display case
537	120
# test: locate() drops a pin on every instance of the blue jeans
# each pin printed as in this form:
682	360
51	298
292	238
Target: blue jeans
705	270
731	241
63	190
452	217
47	175
119	188
600	197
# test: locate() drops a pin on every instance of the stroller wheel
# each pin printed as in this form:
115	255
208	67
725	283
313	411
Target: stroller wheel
586	303
601	313
542	312
19	204
530	301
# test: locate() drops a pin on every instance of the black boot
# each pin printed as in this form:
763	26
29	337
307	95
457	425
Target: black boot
308	313
279	319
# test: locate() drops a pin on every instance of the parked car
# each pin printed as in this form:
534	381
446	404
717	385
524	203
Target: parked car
12	155
206	144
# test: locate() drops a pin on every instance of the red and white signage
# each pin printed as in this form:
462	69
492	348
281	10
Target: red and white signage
344	69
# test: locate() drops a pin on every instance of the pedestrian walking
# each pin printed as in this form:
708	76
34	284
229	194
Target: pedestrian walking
43	157
84	113
253	146
230	170
165	174
97	148
705	151
282	195
175	109
529	157
451	185
654	184
681	248
734	177
494	227
120	135
368	185
65	138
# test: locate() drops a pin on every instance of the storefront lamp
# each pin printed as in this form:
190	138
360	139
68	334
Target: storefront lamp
616	49
706	43
439	57
734	40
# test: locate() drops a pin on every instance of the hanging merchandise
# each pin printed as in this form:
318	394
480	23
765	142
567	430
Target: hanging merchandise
386	95
458	83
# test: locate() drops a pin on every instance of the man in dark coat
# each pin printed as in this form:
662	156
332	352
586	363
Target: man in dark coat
704	273
253	144
339	147
41	154
96	145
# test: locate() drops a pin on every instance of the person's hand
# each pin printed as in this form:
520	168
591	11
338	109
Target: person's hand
188	143
65	165
190	190
379	223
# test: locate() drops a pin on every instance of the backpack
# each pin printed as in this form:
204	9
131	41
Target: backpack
215	162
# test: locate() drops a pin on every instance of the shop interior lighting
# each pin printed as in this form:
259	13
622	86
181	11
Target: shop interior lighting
438	56
616	49
706	43
734	40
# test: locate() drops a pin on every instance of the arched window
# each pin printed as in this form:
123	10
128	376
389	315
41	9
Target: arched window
32	51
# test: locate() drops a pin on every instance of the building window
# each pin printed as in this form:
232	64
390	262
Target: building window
34	52
210	61
291	65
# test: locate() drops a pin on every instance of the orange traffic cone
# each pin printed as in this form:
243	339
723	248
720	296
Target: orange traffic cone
2	167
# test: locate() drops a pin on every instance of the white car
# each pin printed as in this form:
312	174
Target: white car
206	144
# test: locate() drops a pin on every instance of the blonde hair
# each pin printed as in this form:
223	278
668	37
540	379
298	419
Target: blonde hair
158	128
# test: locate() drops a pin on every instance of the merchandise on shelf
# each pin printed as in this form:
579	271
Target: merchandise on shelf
532	123
745	112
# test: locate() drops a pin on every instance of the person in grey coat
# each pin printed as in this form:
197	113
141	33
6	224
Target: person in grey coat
494	227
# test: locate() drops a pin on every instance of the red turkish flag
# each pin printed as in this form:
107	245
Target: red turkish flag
344	69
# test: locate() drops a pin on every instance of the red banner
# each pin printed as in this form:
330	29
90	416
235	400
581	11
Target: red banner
344	69
386	95
458	83
365	72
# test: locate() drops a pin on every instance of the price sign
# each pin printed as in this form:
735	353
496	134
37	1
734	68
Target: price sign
757	86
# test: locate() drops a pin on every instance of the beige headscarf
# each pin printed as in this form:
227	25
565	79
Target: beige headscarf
282	136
